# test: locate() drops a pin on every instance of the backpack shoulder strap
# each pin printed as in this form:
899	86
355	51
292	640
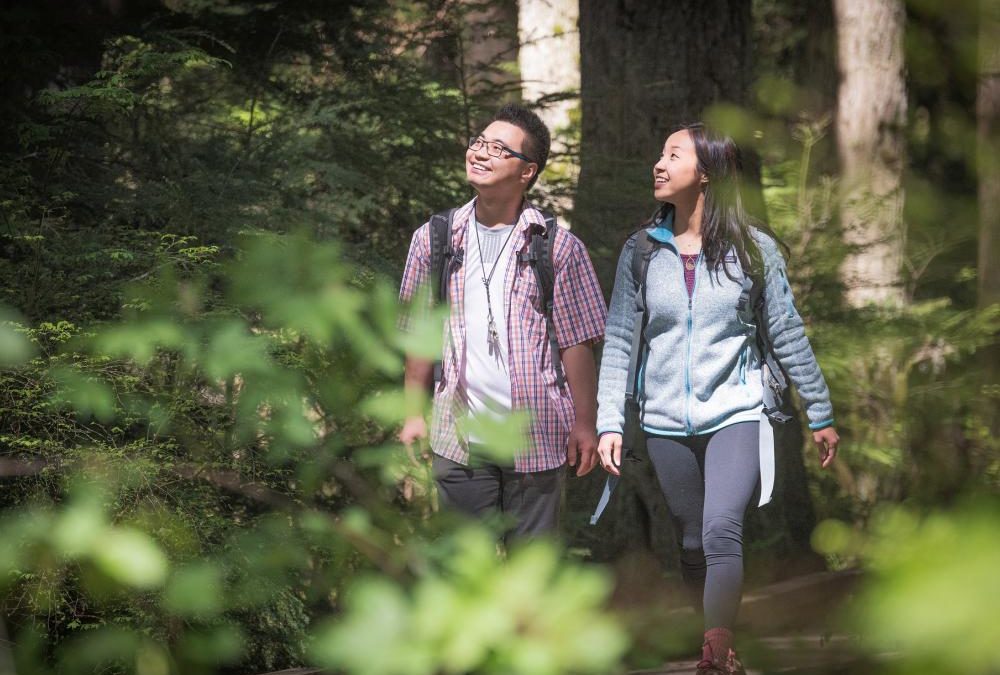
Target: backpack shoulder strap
541	248
645	246
442	257
544	244
441	253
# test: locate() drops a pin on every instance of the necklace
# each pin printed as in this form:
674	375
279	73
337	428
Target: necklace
689	261
492	335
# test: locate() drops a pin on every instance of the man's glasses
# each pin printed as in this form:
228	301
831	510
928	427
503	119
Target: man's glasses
494	149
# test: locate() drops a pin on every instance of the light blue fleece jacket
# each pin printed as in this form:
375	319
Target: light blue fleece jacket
700	374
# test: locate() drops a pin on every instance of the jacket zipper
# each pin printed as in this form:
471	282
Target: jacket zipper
690	331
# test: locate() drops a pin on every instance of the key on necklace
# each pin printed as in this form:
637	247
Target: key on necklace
493	338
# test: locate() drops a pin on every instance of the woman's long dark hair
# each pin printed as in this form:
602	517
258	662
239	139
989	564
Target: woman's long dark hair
725	224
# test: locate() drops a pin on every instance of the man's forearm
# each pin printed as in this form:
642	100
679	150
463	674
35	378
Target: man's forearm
581	375
418	378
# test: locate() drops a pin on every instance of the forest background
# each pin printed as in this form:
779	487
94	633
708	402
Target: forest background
206	206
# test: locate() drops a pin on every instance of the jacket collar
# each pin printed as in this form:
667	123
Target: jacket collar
663	229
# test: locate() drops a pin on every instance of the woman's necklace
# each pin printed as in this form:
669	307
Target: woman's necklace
492	334
689	255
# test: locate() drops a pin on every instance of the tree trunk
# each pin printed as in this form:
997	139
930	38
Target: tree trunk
816	65
476	48
871	112
988	131
490	53
549	62
988	118
646	66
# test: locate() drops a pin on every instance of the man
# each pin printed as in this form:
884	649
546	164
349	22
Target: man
497	356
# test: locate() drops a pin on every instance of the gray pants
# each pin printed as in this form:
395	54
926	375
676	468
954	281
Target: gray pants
709	481
483	488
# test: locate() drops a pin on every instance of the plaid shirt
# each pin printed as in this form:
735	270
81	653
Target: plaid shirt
579	315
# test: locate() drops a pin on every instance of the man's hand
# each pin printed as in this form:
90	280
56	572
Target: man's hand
581	450
826	441
609	451
581	376
418	379
414	430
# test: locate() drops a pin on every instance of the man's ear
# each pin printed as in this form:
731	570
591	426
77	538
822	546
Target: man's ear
530	171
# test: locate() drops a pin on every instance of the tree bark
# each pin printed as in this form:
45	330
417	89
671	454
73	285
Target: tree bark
871	113
490	46
549	61
988	119
646	66
816	62
988	161
476	48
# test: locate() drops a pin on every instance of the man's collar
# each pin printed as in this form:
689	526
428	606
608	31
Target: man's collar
462	215
529	216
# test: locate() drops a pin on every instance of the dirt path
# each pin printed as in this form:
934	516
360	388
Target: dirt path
795	627
795	624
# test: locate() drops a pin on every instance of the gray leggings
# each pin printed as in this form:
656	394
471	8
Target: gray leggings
708	481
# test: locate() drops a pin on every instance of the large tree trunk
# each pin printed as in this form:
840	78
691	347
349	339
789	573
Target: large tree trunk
489	56
549	62
988	129
871	112
816	65
646	66
988	118
476	48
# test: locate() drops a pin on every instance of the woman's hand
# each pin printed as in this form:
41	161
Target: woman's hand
826	441
609	450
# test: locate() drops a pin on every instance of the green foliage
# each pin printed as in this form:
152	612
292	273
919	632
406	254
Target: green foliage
198	482
930	576
899	378
14	347
529	614
234	490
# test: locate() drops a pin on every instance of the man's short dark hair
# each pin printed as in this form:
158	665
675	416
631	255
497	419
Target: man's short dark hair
536	134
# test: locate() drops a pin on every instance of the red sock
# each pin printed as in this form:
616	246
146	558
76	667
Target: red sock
718	642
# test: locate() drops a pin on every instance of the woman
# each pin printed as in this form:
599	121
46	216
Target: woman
699	383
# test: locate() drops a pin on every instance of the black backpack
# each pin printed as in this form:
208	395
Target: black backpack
538	255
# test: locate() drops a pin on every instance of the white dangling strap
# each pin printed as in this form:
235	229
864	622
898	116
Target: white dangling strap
766	448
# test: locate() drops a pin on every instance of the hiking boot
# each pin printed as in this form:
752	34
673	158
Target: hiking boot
727	666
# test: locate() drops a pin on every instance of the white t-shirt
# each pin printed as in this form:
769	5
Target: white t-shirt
485	373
